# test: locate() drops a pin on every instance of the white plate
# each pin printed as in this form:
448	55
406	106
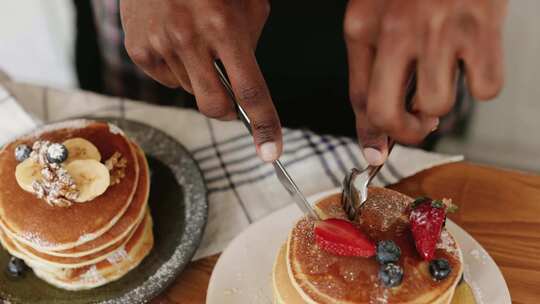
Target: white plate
243	273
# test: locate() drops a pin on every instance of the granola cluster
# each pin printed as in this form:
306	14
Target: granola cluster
117	165
57	187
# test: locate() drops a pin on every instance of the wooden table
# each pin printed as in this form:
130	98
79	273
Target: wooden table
499	208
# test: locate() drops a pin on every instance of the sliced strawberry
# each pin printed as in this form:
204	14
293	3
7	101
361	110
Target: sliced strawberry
341	237
427	220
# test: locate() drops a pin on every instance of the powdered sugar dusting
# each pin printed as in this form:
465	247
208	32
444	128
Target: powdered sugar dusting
448	244
92	276
114	129
478	295
479	256
379	294
118	255
37	240
419	217
384	212
231	291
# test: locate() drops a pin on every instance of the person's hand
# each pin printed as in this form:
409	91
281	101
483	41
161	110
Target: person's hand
177	41
388	39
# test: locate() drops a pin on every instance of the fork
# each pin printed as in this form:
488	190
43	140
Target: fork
356	182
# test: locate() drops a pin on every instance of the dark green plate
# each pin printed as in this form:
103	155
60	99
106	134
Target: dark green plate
179	208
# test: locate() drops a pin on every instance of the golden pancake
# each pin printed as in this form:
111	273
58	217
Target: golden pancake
44	260
127	223
43	227
320	277
284	291
107	243
119	232
108	270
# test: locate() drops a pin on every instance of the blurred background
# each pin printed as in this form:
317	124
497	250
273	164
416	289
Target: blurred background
78	44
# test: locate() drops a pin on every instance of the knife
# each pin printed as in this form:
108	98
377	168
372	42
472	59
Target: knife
283	176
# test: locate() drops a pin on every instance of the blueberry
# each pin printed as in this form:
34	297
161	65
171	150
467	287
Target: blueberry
391	274
22	152
57	153
439	269
387	252
16	267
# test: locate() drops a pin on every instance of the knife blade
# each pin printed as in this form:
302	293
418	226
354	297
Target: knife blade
283	176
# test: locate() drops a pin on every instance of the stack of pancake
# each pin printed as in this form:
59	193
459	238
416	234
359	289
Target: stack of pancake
91	242
304	273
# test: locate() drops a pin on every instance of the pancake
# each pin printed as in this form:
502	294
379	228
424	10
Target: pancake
119	232
284	291
320	277
106	271
45	261
91	252
34	223
124	228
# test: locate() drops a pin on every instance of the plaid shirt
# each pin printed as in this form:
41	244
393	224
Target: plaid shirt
121	76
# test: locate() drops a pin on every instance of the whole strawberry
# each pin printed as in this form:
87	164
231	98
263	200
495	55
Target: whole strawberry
427	219
341	237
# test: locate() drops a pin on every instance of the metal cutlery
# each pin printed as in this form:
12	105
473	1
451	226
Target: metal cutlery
355	184
282	174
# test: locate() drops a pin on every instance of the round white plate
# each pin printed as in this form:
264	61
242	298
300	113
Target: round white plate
243	273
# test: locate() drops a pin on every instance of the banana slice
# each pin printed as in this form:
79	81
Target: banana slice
463	294
26	173
91	177
80	148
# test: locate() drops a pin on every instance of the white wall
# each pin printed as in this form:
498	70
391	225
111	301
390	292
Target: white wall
37	41
506	131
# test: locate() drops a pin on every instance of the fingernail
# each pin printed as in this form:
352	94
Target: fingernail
373	156
268	151
434	123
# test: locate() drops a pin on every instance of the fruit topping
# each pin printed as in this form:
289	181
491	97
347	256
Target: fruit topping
387	252
391	274
16	267
427	219
341	237
57	153
439	269
91	177
80	148
22	152
463	295
26	173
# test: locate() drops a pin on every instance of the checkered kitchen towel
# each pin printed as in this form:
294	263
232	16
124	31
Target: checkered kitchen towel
242	189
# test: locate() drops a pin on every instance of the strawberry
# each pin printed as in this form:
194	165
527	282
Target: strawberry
341	237
427	220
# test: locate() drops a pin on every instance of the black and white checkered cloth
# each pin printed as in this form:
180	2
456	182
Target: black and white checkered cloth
242	189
